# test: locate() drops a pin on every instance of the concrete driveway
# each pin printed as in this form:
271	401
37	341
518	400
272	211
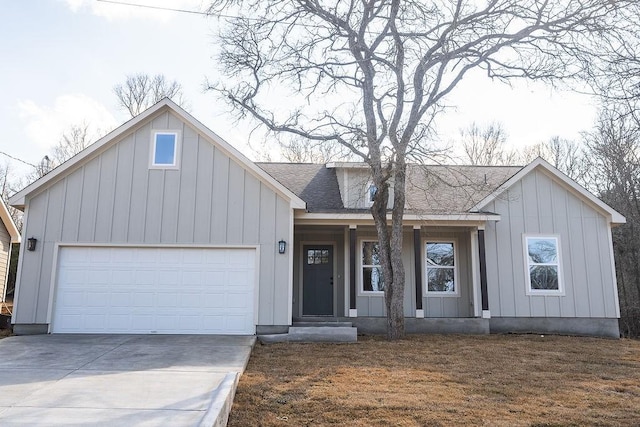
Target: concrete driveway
112	380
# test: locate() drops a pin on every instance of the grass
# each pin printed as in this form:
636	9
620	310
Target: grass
502	380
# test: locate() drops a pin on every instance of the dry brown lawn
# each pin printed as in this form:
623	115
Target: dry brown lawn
429	380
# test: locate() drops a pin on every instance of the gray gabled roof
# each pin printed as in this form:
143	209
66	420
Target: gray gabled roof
437	189
430	189
315	184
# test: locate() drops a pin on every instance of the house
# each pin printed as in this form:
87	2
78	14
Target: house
163	227
8	235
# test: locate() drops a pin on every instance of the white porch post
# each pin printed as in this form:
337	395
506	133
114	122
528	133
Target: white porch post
475	272
353	310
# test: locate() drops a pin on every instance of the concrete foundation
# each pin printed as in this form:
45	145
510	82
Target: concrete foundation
583	326
271	329
378	325
30	328
332	334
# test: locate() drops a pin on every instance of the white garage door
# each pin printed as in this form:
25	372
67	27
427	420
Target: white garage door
154	290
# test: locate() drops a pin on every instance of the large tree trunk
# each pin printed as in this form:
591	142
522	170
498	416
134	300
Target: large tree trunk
395	299
390	241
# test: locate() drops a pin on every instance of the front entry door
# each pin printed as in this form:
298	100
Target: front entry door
317	281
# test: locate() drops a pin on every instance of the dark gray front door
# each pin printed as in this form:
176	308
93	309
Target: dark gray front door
317	281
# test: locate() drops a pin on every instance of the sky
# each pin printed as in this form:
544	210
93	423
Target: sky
60	59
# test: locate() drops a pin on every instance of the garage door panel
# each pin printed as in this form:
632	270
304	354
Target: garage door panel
155	290
97	299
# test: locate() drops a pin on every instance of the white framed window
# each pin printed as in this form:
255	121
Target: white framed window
441	265
543	267
371	280
165	149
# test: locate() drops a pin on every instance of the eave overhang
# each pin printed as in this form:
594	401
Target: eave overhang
457	220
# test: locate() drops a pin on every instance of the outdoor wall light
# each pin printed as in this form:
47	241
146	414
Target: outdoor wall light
31	244
282	246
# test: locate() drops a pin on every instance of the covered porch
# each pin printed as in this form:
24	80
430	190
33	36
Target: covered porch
336	275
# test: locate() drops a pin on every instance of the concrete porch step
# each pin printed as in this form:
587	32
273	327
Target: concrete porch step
318	324
344	334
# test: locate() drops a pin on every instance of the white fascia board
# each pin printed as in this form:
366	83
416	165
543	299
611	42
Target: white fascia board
614	216
409	219
18	199
347	165
8	223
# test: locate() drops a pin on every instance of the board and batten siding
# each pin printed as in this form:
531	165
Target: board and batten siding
538	204
434	305
5	251
459	305
115	198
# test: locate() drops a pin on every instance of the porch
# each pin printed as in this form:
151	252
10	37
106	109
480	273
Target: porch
336	276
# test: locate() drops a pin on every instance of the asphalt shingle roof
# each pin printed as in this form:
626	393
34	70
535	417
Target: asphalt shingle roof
430	189
315	184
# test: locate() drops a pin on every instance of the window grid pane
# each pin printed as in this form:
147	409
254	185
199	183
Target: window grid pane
544	277
440	254
372	280
441	280
370	253
165	149
317	256
542	251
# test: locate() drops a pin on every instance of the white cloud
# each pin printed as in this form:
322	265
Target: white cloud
44	125
147	9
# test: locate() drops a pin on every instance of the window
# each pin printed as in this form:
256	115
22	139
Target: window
372	280
317	256
371	193
440	267
543	264
164	149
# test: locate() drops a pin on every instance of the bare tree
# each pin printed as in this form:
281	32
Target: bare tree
371	75
486	145
141	91
8	186
74	140
564	154
614	174
298	150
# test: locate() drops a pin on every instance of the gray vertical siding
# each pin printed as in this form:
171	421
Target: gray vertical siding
537	204
115	198
459	305
353	184
373	305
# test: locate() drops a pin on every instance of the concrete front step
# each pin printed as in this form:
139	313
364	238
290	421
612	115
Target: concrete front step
314	334
318	324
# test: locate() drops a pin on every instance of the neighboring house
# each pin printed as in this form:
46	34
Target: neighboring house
8	235
163	227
